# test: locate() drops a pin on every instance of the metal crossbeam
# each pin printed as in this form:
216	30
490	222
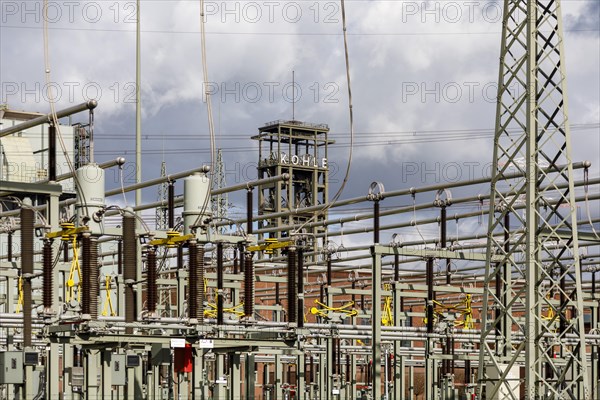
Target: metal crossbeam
532	137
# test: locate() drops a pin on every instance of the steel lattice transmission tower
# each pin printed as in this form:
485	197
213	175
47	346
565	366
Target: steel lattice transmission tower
161	212
532	304
162	223
220	202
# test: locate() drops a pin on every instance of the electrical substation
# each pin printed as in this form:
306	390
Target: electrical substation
96	303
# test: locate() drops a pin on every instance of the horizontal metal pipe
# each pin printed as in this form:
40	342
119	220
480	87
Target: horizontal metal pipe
178	201
48	118
405	209
395	193
108	164
157	181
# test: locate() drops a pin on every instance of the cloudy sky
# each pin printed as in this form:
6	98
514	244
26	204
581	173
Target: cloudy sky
423	79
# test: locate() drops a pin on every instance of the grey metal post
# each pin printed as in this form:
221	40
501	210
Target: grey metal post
235	377
398	392
67	351
376	323
429	361
331	356
278	390
250	377
106	375
138	107
220	389
411	382
401	382
92	389
300	374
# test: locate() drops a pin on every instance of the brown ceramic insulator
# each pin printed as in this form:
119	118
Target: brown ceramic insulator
193	280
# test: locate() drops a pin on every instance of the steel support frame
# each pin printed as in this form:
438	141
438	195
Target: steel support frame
531	134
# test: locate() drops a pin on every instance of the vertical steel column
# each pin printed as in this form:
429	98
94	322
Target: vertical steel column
151	289
129	269
65	248
242	260
249	206
300	375
47	271
399	360
119	256
595	322
430	295
429	362
330	356
249	375
220	288
27	226
443	239
376	221
27	269
9	241
506	283
300	287
291	285
249	288
138	105
236	260
376	323
446	364
234	383
329	270
51	153
171	205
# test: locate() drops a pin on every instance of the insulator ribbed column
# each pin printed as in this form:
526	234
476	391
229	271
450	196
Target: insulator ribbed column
85	274
129	268
89	270
93	278
291	285
201	294
27	220
193	279
47	259
249	289
151	289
